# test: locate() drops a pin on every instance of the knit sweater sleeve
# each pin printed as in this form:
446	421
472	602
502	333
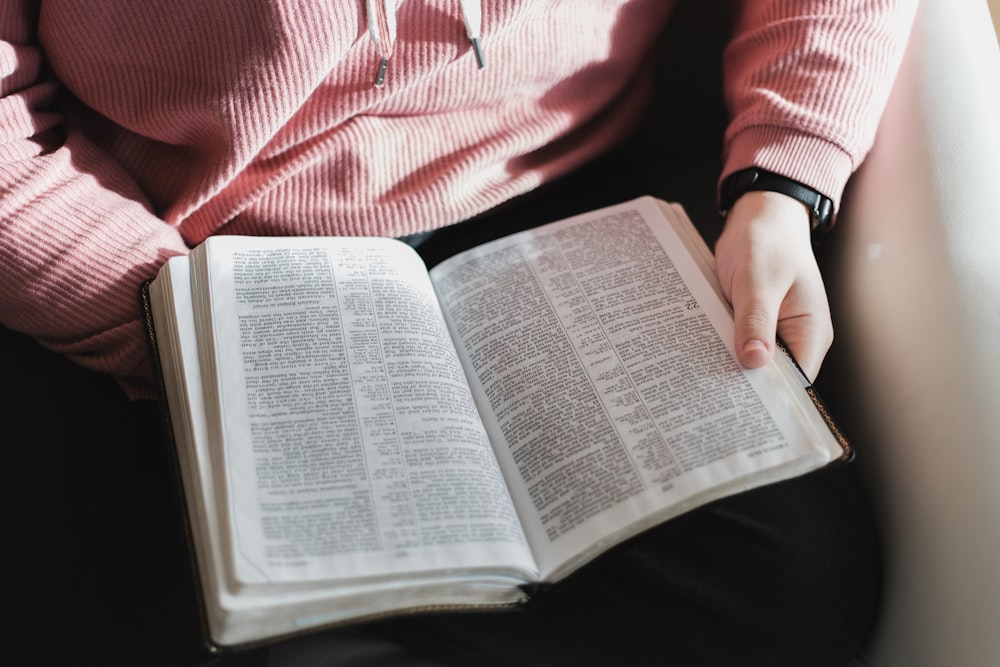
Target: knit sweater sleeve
806	83
77	237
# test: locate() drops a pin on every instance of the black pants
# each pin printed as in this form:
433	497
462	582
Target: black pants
785	575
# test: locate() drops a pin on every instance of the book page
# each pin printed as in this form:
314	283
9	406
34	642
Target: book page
602	353
173	313
352	447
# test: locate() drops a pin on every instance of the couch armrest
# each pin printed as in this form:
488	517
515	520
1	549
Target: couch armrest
920	276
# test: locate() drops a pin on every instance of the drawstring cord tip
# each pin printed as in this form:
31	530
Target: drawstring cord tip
383	65
478	50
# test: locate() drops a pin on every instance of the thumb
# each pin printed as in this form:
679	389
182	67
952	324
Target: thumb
756	320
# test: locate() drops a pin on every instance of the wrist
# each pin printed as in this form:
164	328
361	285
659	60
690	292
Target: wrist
818	206
763	217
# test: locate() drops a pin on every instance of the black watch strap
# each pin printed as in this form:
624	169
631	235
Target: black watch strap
751	179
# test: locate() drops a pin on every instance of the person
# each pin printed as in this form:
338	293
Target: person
130	132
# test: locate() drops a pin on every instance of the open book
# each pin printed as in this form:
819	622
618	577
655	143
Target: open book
358	436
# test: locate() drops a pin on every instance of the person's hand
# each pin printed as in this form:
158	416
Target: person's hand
769	274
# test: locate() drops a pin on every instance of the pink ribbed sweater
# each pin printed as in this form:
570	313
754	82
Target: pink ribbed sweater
130	131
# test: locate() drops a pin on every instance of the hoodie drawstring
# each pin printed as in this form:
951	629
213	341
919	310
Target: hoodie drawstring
382	31
472	17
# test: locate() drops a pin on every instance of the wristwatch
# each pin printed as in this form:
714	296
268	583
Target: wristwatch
747	180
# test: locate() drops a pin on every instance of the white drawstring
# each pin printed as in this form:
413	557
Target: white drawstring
382	31
472	17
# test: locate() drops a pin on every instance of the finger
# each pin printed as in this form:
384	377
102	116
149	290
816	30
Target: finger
808	338
756	321
807	350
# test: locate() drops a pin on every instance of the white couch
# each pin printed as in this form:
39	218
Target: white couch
918	274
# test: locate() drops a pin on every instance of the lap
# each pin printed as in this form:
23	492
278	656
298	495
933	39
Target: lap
784	575
101	559
93	547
